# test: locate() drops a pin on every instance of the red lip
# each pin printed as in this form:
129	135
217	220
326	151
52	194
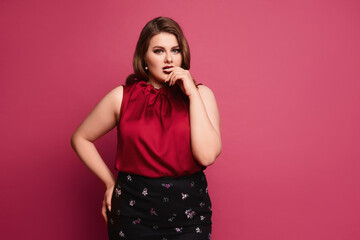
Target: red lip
166	67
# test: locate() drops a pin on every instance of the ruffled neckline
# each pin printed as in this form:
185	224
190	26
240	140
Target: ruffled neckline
148	87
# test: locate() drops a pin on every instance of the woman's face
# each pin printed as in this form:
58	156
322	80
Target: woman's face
163	52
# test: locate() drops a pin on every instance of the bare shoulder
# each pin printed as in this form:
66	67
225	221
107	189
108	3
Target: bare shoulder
103	116
116	96
210	104
112	101
206	92
117	92
208	98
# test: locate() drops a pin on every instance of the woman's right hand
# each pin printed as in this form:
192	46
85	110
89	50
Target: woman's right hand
106	206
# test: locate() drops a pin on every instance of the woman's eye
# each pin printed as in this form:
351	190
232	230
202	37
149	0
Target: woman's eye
158	51
176	50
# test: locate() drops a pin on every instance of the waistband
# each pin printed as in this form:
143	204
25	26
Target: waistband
185	177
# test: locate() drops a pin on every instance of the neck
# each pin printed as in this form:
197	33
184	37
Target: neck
156	84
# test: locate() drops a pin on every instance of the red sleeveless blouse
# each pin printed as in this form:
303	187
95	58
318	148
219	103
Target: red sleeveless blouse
154	132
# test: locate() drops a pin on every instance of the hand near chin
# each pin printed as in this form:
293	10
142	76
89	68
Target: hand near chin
183	78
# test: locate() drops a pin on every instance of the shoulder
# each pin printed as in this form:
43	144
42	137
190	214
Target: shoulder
208	98
115	99
118	89
117	93
205	91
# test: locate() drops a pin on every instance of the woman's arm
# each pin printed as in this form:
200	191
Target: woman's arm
101	120
204	116
204	126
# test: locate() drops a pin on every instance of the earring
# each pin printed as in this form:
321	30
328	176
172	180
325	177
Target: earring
146	68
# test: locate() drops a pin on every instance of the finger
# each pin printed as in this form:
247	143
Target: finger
171	76
107	198
103	212
167	79
104	216
174	77
108	203
173	71
178	68
168	69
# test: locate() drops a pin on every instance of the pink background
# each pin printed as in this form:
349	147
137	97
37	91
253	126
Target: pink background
286	77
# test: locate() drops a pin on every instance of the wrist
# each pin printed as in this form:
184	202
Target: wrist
109	184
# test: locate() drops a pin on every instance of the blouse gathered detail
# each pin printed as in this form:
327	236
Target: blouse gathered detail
154	132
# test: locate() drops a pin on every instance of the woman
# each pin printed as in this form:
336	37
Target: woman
168	133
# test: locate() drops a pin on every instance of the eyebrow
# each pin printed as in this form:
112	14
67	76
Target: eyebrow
177	46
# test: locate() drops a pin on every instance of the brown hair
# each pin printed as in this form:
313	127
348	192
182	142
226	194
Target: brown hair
152	28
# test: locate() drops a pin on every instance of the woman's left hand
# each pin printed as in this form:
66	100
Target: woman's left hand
183	78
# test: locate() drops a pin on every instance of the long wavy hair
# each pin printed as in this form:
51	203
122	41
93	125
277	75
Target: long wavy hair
152	28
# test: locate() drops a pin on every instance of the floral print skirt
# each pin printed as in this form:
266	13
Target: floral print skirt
164	208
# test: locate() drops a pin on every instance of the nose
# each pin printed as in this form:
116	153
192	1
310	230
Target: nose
168	58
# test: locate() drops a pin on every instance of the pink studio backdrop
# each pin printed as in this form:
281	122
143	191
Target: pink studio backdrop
286	77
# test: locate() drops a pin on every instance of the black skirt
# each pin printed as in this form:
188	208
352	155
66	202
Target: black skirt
160	208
